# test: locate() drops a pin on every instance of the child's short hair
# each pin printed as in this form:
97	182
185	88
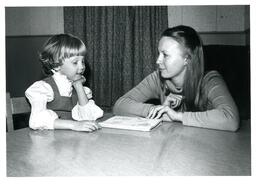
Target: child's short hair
59	47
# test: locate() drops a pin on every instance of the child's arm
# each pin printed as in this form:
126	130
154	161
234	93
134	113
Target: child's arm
88	112
78	86
38	95
87	126
86	109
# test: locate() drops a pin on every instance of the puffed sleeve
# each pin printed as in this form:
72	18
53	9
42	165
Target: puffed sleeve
90	111
38	95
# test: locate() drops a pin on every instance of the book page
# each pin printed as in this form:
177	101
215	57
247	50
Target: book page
132	123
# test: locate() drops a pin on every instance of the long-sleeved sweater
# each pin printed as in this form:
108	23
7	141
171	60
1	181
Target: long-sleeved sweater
220	112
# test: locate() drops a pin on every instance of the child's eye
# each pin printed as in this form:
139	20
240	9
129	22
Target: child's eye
75	63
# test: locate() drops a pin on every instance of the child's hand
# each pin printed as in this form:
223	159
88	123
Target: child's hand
80	79
86	126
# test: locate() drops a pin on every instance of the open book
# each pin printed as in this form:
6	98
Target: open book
131	123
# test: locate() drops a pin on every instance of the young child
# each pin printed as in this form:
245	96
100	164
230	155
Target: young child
60	101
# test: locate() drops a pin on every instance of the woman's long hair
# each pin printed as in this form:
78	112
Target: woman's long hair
192	44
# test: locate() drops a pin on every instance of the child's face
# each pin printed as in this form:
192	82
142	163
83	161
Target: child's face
73	67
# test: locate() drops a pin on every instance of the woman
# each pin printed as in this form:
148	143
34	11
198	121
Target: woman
186	93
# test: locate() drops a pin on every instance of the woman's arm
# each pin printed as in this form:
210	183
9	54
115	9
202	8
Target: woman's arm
133	102
222	114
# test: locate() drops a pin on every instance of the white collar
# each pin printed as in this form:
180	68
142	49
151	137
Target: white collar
63	83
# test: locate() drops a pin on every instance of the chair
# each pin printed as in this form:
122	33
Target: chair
15	105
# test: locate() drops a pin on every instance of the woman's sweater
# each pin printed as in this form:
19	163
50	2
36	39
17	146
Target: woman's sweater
220	113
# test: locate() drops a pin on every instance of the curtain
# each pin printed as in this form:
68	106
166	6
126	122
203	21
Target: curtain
122	45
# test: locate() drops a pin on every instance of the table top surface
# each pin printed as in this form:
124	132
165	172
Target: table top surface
170	149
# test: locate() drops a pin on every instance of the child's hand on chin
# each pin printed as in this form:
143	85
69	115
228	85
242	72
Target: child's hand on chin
79	79
86	126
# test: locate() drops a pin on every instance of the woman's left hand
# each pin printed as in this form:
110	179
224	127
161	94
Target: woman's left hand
173	100
157	111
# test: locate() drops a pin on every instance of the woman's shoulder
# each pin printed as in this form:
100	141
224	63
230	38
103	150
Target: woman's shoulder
211	75
212	78
153	78
153	74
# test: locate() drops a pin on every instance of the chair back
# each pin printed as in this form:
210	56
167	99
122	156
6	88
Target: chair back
15	105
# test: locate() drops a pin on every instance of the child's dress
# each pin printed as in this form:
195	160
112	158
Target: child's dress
54	97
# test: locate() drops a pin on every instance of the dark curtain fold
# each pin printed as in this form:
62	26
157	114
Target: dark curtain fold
121	43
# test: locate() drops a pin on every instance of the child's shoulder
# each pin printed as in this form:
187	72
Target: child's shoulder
39	90
40	85
48	79
44	82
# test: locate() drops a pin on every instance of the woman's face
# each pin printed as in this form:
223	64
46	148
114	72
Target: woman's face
171	61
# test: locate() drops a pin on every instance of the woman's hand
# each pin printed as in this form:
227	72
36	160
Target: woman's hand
173	100
156	112
86	126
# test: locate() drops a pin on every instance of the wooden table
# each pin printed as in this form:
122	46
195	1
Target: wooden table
171	149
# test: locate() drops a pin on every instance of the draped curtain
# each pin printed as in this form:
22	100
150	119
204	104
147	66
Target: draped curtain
122	45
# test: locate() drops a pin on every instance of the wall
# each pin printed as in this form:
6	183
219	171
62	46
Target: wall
239	38
27	28
225	25
34	21
22	65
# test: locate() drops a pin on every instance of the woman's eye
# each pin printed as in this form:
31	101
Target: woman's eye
165	55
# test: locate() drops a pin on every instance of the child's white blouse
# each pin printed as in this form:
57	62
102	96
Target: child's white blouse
41	92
